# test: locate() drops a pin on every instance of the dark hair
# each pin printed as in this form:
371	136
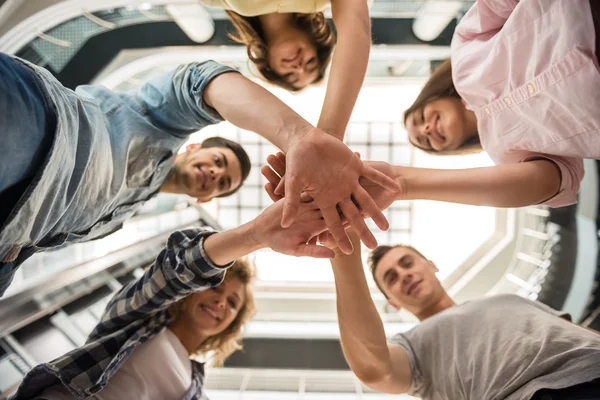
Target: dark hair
239	152
250	33
376	256
439	86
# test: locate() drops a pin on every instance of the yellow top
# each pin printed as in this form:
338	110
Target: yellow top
251	8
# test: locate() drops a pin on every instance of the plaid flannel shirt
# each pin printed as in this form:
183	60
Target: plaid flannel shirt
135	314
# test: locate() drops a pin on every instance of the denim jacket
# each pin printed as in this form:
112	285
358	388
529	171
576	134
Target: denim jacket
111	152
138	312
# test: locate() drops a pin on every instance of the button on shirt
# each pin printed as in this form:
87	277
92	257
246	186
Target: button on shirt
111	152
528	70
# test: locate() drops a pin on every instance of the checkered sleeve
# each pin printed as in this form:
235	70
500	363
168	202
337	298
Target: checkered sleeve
180	269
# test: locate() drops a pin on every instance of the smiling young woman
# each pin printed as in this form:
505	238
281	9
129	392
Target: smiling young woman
291	45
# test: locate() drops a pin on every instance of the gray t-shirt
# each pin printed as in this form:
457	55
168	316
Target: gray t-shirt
500	347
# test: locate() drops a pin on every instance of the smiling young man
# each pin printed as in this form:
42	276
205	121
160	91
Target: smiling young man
75	164
498	347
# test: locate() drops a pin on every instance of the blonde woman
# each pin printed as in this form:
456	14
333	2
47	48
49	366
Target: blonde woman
290	43
185	305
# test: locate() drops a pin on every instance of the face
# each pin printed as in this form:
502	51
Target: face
293	56
408	279
210	312
441	125
207	173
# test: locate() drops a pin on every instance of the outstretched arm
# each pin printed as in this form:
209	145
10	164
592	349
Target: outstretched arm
349	64
379	364
316	162
505	185
196	259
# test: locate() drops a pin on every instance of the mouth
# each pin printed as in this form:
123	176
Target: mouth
211	312
200	177
413	288
437	132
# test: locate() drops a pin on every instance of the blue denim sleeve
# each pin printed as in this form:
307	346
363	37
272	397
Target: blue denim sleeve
174	101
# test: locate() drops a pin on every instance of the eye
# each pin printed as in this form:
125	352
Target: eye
232	304
217	161
392	278
311	61
222	183
423	115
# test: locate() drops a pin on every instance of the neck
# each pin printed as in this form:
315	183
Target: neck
443	303
191	340
274	24
171	185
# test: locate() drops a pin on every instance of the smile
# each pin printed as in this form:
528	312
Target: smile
210	312
413	287
437	133
200	177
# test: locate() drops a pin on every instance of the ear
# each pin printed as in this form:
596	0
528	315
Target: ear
396	306
432	264
192	146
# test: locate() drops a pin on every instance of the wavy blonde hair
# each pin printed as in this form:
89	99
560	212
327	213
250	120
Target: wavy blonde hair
249	32
230	340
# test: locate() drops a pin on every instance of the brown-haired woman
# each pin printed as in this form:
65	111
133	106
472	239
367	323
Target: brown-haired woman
523	84
194	300
290	43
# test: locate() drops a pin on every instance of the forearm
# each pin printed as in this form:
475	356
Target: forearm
509	185
348	66
361	330
225	247
251	107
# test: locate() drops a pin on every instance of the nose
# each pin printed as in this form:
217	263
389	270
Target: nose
221	301
406	280
215	172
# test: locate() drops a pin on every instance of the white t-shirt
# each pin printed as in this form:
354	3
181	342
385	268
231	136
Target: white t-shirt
158	369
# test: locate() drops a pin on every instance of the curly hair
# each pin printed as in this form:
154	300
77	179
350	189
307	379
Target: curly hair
250	33
227	342
439	86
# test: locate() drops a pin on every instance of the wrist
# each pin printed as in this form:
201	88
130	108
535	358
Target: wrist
298	131
254	234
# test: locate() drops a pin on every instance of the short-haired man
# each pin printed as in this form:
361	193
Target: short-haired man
498	347
74	165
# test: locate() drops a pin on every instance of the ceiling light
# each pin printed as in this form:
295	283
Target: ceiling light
194	20
433	17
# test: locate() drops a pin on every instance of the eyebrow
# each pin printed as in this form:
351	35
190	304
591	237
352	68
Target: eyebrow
386	274
226	165
402	259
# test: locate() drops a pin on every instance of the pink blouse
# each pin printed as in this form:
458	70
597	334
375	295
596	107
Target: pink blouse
528	70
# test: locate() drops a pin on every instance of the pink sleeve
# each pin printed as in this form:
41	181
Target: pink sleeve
571	174
486	17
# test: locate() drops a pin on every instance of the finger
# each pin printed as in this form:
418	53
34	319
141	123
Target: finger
292	200
370	208
271	192
280	189
357	154
315	251
358	224
312	240
380	178
277	162
305	198
271	176
334	224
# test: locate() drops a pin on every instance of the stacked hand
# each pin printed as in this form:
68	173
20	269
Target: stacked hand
299	239
326	170
383	198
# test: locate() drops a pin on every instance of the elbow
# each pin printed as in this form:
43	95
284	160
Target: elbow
372	376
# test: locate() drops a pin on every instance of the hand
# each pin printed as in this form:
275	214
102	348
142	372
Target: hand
296	240
382	196
329	172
